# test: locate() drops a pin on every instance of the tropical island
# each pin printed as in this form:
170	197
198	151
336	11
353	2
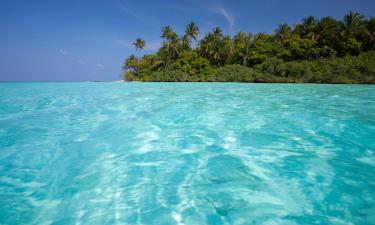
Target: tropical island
314	51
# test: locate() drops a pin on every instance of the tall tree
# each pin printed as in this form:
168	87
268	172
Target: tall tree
242	47
328	33
217	33
192	31
185	42
283	31
355	33
307	28
173	46
167	32
353	20
239	39
310	40
139	44
130	68
370	25
216	48
131	63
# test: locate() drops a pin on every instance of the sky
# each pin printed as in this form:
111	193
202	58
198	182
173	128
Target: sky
88	40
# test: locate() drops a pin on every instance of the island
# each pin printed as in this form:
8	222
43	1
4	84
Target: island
322	50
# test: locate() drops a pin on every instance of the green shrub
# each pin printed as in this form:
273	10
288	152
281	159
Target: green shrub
169	76
239	73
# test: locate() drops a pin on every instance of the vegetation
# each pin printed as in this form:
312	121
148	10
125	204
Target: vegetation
139	44
314	51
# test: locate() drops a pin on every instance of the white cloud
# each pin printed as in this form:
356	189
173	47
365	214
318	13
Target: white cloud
131	12
99	65
144	18
63	52
226	14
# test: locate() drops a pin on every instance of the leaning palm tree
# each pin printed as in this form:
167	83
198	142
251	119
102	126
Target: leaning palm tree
139	44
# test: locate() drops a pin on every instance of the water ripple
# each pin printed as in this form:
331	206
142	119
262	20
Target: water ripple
186	153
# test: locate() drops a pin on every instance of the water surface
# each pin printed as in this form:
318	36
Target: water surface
186	153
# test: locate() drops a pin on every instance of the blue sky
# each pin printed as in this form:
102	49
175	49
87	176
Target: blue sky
79	40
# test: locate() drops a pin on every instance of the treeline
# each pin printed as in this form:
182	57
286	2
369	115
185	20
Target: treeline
316	51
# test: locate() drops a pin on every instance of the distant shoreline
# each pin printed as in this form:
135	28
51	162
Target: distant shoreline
181	82
67	81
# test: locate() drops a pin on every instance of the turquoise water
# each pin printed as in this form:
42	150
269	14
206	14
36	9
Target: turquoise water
186	153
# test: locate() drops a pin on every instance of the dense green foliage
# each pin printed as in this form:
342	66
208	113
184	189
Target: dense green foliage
317	51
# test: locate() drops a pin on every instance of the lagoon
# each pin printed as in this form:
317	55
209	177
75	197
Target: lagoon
187	153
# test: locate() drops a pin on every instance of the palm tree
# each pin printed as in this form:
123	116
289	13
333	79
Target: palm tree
167	32
353	22
283	31
239	38
215	47
163	57
307	28
217	32
130	68
173	46
328	34
370	24
205	44
370	29
242	43
139	44
185	40
192	31
130	63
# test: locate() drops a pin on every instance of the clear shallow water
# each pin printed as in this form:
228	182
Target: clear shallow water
186	153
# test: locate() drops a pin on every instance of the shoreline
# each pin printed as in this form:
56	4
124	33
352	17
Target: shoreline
193	82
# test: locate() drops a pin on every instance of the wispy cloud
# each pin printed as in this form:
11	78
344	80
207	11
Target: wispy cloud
63	51
99	65
143	18
226	14
131	12
124	43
